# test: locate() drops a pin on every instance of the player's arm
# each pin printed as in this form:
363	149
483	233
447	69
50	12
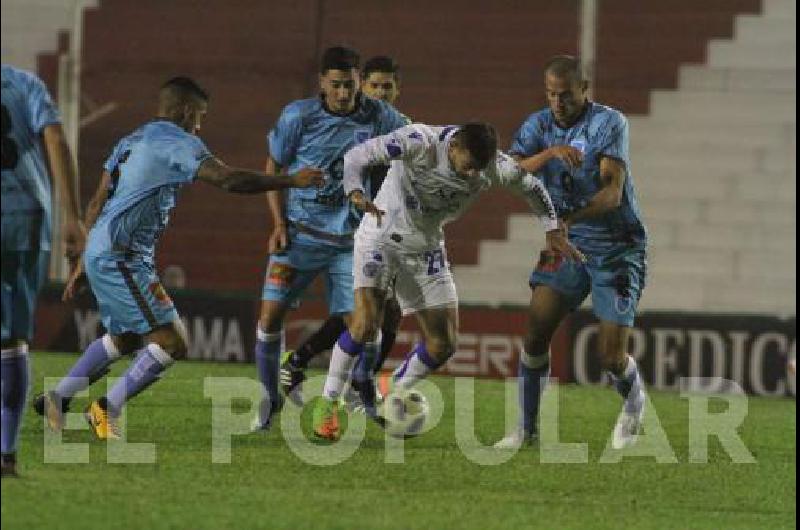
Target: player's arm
609	198
279	239
510	174
566	153
93	209
403	143
237	180
62	168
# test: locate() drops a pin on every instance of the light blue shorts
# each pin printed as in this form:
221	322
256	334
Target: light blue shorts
24	273
615	279
129	295
290	273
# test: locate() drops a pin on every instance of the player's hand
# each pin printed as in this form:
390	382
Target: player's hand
308	177
74	233
278	240
557	241
567	154
75	283
361	202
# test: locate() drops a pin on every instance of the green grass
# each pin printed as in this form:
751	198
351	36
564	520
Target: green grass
267	486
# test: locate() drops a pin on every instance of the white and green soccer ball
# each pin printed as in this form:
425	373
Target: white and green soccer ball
405	413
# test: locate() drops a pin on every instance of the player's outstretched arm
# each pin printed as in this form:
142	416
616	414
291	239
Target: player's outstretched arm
62	168
236	180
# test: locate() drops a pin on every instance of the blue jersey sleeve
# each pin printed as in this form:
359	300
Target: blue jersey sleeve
284	138
42	109
613	138
392	120
187	155
528	139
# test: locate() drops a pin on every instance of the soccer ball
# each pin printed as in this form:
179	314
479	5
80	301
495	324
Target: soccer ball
405	413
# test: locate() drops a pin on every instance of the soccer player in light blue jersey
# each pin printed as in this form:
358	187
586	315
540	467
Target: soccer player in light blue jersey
313	229
380	79
33	140
579	149
129	212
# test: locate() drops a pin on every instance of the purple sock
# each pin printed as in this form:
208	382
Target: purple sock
418	364
92	365
144	371
14	392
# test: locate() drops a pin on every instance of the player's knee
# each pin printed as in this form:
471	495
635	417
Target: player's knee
441	348
363	329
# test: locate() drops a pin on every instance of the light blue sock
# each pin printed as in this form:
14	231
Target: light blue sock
14	394
268	365
144	371
92	365
531	372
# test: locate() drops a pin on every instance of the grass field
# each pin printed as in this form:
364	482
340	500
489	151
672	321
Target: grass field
267	486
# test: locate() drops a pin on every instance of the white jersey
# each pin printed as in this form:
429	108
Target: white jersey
421	193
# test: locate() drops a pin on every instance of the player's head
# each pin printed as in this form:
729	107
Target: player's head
182	101
339	79
380	79
565	88
472	148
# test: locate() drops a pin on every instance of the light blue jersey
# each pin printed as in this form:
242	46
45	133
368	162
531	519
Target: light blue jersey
26	191
600	131
308	135
147	169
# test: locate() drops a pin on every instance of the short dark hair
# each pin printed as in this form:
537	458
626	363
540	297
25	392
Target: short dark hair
383	64
480	139
339	58
563	66
182	88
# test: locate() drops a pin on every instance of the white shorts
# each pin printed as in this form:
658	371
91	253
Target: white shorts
421	280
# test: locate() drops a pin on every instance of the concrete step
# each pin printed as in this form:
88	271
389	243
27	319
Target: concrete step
703	78
780	9
782	191
757	28
781	132
722	108
769	215
733	54
736	238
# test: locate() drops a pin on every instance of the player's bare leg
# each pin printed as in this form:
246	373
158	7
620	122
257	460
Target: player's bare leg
439	328
613	342
546	310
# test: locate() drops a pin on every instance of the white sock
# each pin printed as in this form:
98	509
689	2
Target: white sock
338	372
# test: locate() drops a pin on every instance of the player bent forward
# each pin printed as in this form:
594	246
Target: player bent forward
128	213
435	173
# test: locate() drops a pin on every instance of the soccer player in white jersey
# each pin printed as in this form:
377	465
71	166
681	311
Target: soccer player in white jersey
435	173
